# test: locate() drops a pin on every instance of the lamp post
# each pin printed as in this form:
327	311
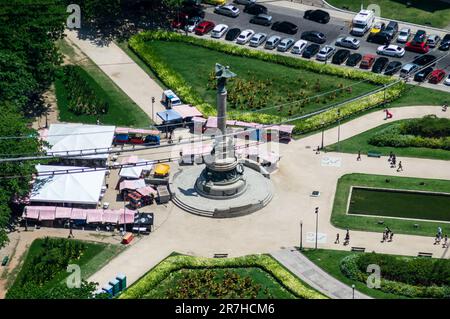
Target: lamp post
153	113
26	223
317	224
301	235
323	132
339	128
353	291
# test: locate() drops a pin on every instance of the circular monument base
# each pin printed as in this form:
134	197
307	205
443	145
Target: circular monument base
258	193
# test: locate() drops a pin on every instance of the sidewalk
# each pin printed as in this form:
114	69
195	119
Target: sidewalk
310	273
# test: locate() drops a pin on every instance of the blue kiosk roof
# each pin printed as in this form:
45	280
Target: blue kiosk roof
169	116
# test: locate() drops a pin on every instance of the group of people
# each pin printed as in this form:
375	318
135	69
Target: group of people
393	162
439	237
388	235
346	240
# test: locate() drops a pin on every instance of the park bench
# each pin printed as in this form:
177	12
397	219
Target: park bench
422	254
373	154
359	249
220	255
5	260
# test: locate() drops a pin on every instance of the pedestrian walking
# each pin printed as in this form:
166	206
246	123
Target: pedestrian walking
384	237
445	244
347	238
437	240
391	236
318	149
359	156
439	231
400	167
337	239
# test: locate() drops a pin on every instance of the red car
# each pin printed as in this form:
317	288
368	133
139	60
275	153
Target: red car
419	47
204	27
180	21
436	76
367	61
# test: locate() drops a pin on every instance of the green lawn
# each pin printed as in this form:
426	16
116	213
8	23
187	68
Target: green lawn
341	219
435	13
276	83
122	110
268	286
360	143
402	204
329	261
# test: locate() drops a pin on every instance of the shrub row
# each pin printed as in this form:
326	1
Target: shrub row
139	44
354	266
427	126
175	263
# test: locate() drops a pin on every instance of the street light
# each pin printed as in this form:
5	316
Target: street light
153	113
301	235
323	132
353	291
339	127
317	223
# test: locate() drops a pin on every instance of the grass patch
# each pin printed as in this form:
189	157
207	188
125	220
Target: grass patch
340	219
425	12
397	203
329	261
360	142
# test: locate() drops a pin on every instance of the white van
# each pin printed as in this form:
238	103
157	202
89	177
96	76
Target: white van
362	22
299	47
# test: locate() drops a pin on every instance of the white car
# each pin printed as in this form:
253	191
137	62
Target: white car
403	35
348	42
257	39
192	23
325	53
447	80
245	36
299	47
285	44
219	30
391	50
227	10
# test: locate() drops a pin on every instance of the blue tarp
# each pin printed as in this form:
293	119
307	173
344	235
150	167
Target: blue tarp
170	116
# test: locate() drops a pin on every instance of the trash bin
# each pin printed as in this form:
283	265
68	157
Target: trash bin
116	286
108	289
122	281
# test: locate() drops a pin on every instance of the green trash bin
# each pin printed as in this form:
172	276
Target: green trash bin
122	281
108	289
115	286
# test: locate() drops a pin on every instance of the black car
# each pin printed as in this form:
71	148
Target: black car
255	9
311	50
380	64
380	38
314	36
393	67
285	27
391	29
232	34
317	16
423	75
340	56
423	60
445	43
353	59
262	19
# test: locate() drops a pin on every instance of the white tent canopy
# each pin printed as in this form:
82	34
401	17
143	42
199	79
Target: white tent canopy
70	136
135	171
75	188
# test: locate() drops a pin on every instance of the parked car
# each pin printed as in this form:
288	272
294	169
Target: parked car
285	27
418	47
367	61
219	30
325	53
433	40
408	69
353	59
192	23
426	59
299	47
423	75
285	44
404	35
340	56
377	27
245	36
227	10
258	39
436	76
348	42
314	36
244	2
391	50
393	67
179	21
391	29
204	27
317	16
445	43
420	37
255	9
311	50
380	64
232	34
262	19
272	42
447	80
380	38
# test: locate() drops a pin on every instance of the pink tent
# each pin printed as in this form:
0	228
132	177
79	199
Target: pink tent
146	191
110	216
133	159
94	215
131	184
31	212
128	216
187	111
63	212
78	213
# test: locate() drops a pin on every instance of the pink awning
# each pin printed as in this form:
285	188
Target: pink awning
94	215
122	130
199	119
128	216
78	213
31	212
211	122
133	159
146	191
110	216
187	111
63	212
47	214
131	184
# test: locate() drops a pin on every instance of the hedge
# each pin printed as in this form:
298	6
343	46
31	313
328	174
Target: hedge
178	262
351	265
173	80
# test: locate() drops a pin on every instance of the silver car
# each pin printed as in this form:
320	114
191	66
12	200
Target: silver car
348	42
408	69
404	35
258	39
325	53
272	42
227	10
285	44
433	40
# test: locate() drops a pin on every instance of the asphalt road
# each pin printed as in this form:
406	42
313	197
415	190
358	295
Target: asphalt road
335	28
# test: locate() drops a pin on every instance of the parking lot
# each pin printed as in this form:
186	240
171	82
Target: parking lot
335	28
